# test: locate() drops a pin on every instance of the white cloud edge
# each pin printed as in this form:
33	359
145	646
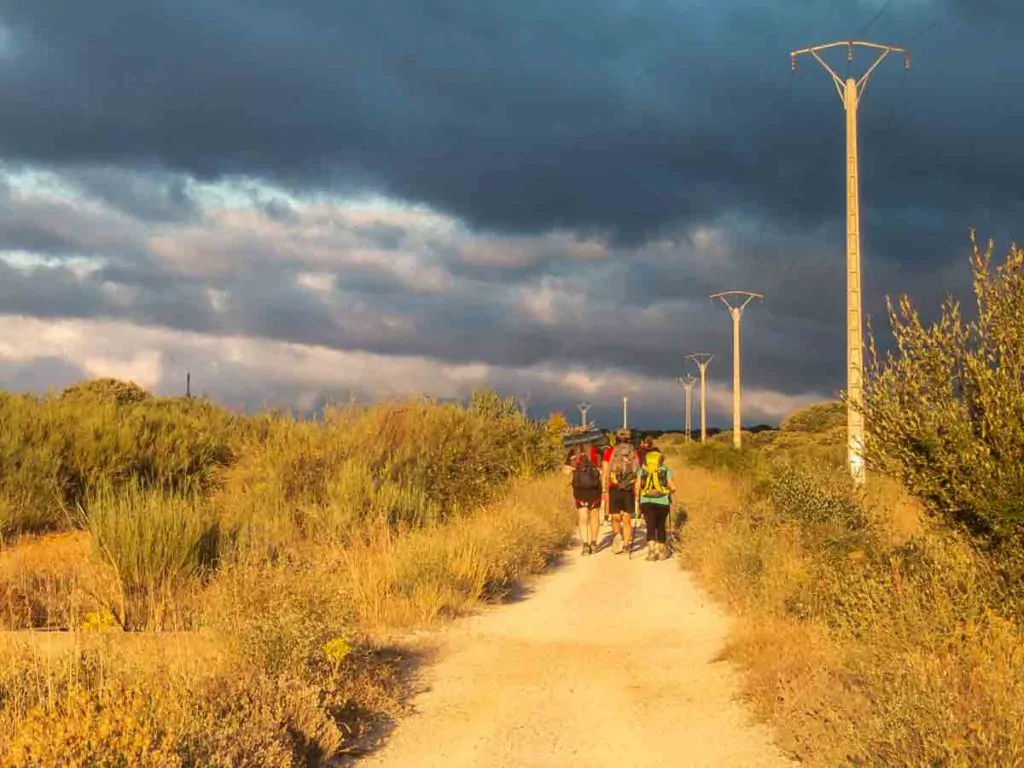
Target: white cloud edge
147	355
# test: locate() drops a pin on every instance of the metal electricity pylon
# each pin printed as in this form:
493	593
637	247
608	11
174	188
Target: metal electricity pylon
850	91
702	359
583	408
736	310
687	382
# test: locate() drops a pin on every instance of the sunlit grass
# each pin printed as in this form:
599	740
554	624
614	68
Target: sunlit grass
263	566
870	636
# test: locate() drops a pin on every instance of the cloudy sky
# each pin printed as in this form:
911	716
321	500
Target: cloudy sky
308	200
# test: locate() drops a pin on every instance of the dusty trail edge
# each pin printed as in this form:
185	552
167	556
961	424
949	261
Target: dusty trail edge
605	661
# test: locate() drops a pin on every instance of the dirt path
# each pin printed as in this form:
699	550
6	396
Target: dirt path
609	662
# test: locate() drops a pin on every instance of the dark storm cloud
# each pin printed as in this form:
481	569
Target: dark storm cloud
49	291
600	116
596	305
637	125
39	374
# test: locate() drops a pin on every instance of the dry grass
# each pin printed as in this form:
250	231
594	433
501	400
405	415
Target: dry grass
428	576
870	635
52	582
289	667
284	555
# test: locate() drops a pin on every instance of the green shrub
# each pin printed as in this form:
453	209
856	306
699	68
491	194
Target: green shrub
423	460
818	418
720	455
106	390
945	409
54	451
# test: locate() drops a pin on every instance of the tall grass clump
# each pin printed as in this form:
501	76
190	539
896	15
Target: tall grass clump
156	543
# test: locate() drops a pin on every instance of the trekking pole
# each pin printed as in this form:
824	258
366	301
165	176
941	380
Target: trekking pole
635	523
670	528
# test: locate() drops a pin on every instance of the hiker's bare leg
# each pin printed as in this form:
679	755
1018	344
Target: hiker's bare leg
582	519
595	524
627	529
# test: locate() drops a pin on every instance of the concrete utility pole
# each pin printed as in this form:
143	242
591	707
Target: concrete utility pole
524	405
850	91
736	310
687	382
702	359
188	384
583	407
625	412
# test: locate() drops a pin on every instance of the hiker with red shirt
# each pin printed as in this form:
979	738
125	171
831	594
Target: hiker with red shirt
620	480
583	464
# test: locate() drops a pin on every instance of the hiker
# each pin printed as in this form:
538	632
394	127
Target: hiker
583	464
656	489
645	445
620	482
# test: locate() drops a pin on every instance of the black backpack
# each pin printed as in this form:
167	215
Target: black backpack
585	476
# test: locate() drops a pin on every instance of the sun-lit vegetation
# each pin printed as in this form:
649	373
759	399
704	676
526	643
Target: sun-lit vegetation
231	582
884	626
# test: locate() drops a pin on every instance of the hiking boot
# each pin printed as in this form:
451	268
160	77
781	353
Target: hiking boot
617	544
585	550
651	553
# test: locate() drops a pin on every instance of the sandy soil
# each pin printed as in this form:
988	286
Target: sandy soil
609	661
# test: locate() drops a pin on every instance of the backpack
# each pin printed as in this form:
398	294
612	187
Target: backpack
585	476
654	476
623	465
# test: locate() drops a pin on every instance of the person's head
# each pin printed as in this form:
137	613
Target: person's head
623	435
647	442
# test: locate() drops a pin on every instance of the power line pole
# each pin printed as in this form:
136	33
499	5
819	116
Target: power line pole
188	385
583	407
625	412
687	382
702	359
736	310
524	404
850	91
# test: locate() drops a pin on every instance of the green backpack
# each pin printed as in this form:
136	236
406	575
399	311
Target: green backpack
654	476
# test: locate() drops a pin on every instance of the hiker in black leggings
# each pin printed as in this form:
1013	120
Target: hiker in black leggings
655	518
656	489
